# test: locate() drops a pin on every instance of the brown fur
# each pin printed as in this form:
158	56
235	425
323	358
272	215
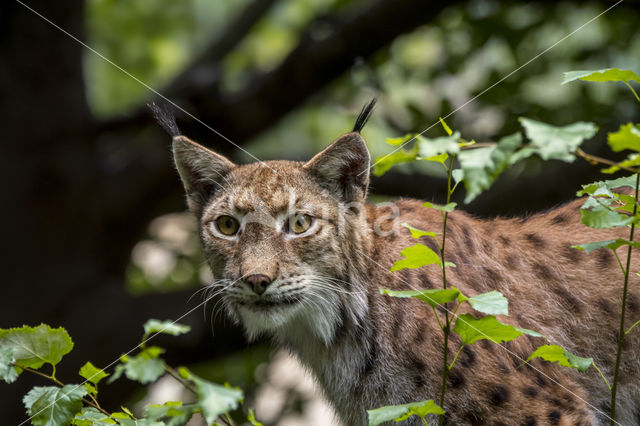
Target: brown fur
368	350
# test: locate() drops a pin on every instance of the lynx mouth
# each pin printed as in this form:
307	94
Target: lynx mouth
262	304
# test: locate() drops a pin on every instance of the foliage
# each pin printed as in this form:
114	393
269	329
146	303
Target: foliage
32	347
555	353
605	207
29	348
402	412
481	165
54	405
608	206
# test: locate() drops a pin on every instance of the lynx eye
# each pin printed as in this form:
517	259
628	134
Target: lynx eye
227	225
298	223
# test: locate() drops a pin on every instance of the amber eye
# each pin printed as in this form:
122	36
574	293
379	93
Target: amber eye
299	223
227	225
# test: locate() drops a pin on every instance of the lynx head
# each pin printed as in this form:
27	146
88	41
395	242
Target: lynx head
282	238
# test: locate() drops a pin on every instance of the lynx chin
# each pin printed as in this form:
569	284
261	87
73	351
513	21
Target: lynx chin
299	255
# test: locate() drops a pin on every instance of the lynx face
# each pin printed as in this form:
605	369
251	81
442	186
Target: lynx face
275	234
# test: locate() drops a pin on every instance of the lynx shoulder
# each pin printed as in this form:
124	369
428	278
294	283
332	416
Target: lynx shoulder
299	255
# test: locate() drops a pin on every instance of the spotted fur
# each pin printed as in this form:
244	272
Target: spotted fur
368	350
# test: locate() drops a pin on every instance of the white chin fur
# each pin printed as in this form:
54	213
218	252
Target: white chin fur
292	323
257	322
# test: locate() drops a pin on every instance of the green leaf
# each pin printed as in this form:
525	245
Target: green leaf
89	416
603	75
555	353
401	140
446	128
171	412
8	372
633	160
92	373
416	256
531	332
35	346
213	399
552	142
166	327
252	418
482	166
417	233
606	187
492	302
457	175
599	213
443	145
610	244
91	389
471	329
433	297
627	137
385	162
440	158
446	208
120	415
53	405
140	422
145	367
399	413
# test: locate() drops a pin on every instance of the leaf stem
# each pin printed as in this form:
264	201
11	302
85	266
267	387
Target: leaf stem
173	373
229	421
615	252
39	373
478	145
602	375
59	383
447	328
632	91
437	317
621	333
593	159
632	327
455	358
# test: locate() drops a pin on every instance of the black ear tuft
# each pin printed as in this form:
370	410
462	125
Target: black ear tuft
364	115
164	116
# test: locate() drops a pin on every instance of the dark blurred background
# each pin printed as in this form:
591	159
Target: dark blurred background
94	233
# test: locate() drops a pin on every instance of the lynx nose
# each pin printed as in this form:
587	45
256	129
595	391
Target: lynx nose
259	282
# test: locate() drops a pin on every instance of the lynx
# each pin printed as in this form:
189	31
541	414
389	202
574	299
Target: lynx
299	255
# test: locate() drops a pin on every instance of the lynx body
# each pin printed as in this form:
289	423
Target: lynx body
298	255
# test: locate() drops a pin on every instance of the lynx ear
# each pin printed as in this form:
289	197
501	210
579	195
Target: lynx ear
343	168
202	171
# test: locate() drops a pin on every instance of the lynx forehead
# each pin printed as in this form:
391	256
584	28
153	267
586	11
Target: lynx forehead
298	254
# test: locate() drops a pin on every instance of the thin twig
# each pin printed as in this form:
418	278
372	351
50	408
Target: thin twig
478	145
447	322
59	383
621	333
173	373
593	159
39	373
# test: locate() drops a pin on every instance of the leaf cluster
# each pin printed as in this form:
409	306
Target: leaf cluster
30	348
481	164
